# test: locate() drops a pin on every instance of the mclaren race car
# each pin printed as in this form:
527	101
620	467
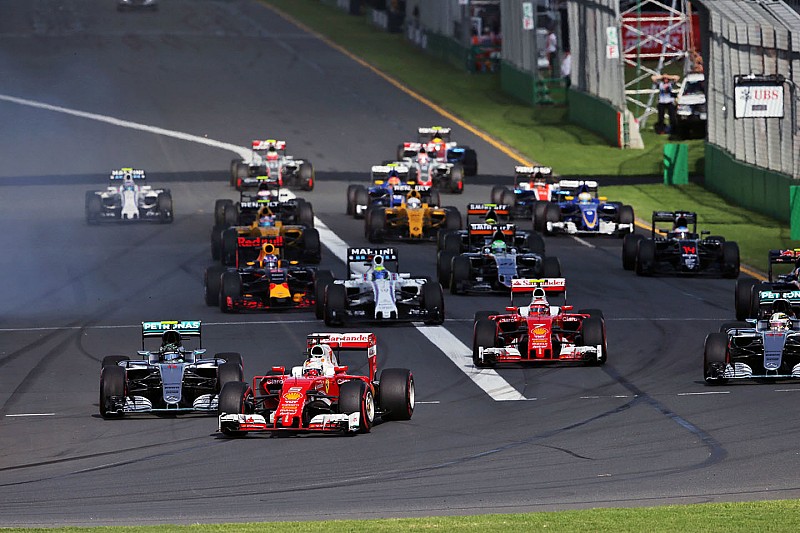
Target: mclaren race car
127	198
170	379
269	159
319	396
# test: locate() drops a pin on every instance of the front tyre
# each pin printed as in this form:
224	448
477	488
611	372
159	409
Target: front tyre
396	394
112	384
356	397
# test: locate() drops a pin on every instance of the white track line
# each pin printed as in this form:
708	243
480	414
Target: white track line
703	393
31	414
583	242
489	380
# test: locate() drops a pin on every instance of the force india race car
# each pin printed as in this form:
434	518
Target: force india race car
534	188
413	220
679	250
756	299
390	186
269	158
539	332
375	293
578	209
128	198
320	395
446	151
172	379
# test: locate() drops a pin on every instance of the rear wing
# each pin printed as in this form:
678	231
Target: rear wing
571	187
187	328
555	285
497	212
348	342
427	134
482	229
532	171
267	144
783	257
371	257
123	172
381	172
672	216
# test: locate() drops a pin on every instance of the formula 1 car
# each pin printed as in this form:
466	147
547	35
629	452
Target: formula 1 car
413	220
760	349
679	250
578	209
320	396
390	186
781	292
269	159
375	293
265	284
446	151
427	168
171	379
539	332
127	199
534	188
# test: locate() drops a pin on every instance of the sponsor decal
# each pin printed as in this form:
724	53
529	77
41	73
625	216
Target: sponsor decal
539	331
292	396
689	249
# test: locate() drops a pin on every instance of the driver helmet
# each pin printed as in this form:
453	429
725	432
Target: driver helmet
498	247
414	203
272	154
584	198
170	345
266	220
681	232
779	322
127	182
381	272
269	261
539	303
394	178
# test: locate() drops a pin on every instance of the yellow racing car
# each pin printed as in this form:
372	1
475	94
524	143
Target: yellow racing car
413	220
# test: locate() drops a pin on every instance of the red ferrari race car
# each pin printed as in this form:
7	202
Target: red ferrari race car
318	396
539	332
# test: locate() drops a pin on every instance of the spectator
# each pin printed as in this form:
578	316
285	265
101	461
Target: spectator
665	84
550	48
566	68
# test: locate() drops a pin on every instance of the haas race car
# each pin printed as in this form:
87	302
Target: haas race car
268	158
170	379
539	332
320	395
127	198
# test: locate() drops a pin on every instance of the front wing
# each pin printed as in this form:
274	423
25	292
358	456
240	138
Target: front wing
324	423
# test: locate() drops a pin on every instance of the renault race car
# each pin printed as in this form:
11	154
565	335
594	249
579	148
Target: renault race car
679	249
781	292
319	396
534	188
269	158
389	187
128	198
376	292
413	220
267	282
578	209
760	349
446	150
539	332
171	379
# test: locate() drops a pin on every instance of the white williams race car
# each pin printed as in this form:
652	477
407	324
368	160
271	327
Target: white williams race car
375	293
128	198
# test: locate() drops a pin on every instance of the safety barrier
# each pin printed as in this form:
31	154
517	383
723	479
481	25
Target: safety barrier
595	114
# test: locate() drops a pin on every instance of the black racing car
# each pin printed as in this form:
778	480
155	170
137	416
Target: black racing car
780	293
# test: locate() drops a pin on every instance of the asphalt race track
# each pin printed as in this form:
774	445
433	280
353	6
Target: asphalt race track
642	430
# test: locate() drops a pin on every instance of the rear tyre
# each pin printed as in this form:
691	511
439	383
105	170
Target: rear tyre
552	214
305	214
230	215
321	282
715	357
434	199
356	397
744	298
229	247
306	175
396	394
230	287
470	162
484	335
508	198
730	260
535	243
645	257
229	373
212	284
351	199
376	220
497	194
335	304
361	196
219	211
457	179
312	247
444	266
626	217
112	383
433	302
164	206
460	274
593	335
539	215
630	244
453	221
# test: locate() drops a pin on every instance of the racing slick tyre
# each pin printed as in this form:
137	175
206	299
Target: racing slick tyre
459	275
376	220
361	196
351	199
305	214
322	279
444	265
645	257
457	179
733	325
508	198
715	357
312	247
219	211
534	243
306	175
229	373
94	207
483	315
630	244
335	304
230	287
164	206
234	166
453	221
552	214
216	242
434	198
497	193
625	216
113	360
538	213
451	242
396	394
242	170
551	267
470	162
483	336
356	397
433	303
230	215
231	357
594	334
730	260
232	400
744	298
112	383
229	246
212	284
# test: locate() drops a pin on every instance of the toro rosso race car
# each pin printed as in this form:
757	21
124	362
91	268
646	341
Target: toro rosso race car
781	292
761	349
375	293
679	249
390	186
171	379
269	159
445	150
578	209
127	198
534	188
319	396
539	332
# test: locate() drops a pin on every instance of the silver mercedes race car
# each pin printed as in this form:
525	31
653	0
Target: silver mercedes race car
128	198
169	379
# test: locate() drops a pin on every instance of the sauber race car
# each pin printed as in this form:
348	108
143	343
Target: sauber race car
760	349
390	186
446	151
265	283
679	249
128	198
269	159
413	220
756	299
539	332
319	396
375	293
534	188
579	210
170	379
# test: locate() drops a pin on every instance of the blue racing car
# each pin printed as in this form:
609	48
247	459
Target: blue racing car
579	210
